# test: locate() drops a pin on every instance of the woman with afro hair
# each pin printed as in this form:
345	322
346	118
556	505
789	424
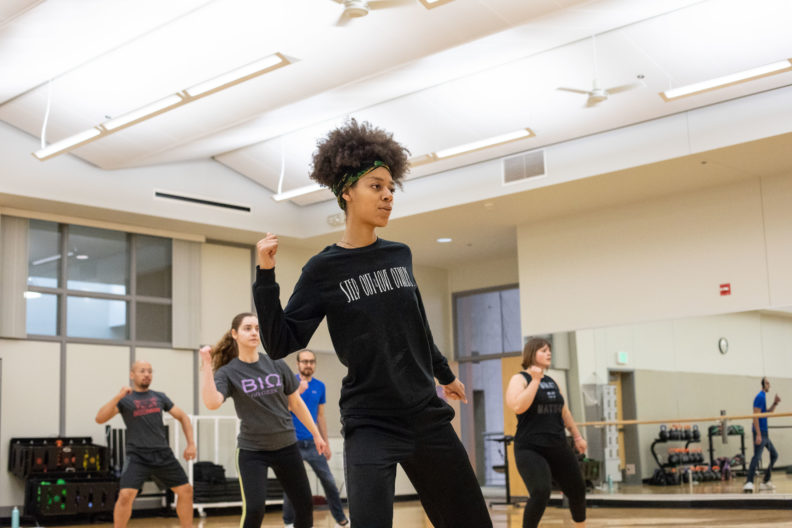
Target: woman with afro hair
365	287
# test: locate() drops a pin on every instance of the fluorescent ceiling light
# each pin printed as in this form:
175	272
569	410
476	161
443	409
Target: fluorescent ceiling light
294	193
239	75
484	143
727	80
67	144
144	113
444	240
198	91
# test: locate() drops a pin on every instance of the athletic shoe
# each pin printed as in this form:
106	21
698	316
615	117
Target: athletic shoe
748	488
347	525
289	526
767	486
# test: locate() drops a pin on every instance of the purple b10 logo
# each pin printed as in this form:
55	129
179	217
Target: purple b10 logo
269	382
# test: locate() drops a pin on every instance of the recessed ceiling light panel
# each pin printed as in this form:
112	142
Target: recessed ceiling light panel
67	144
523	133
144	113
727	80
239	75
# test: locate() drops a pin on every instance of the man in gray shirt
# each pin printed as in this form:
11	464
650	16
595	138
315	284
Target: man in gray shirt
149	455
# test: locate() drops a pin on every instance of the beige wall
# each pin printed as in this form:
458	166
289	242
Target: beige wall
433	284
226	273
776	194
94	374
29	402
483	274
661	258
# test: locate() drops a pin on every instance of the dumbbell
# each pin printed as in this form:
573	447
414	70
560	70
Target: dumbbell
663	433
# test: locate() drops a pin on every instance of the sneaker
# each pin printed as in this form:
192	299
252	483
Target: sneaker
748	488
288	526
767	486
345	525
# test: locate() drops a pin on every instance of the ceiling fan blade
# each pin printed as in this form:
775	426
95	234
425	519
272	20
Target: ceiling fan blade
574	90
624	88
386	4
343	20
593	101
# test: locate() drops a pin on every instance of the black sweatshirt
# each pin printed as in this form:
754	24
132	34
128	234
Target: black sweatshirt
376	320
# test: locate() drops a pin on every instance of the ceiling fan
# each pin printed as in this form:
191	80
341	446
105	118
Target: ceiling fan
597	94
361	8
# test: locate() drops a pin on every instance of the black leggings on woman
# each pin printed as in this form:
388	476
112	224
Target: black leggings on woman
538	465
288	467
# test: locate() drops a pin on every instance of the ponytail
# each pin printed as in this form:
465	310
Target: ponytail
226	349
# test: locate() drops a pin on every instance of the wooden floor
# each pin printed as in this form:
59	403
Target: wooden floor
410	515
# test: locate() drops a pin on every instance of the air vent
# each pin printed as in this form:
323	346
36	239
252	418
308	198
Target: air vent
524	166
201	201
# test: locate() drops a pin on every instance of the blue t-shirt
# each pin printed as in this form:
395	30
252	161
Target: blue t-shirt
314	396
760	402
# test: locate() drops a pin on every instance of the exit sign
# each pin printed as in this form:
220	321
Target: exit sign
725	289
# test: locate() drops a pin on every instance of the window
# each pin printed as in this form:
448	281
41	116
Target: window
90	284
486	328
487	323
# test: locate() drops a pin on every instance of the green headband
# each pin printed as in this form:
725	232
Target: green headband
349	179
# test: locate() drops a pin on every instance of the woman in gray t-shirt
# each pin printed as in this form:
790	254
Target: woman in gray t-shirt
264	391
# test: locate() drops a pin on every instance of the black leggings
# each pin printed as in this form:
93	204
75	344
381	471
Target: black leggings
288	467
538	465
429	451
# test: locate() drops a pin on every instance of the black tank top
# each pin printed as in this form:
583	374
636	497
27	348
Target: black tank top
541	424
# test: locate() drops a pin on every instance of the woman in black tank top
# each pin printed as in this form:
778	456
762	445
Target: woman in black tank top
541	450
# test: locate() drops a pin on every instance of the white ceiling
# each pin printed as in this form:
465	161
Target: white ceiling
463	71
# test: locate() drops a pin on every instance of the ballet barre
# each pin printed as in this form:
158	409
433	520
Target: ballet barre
722	418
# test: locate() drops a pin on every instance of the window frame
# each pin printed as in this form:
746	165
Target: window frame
131	299
469	293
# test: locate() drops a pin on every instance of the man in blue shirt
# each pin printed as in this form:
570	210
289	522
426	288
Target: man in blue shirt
312	391
762	439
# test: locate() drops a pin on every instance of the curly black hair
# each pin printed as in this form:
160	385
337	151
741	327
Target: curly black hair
351	147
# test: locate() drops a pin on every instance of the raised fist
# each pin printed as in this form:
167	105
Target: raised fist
265	251
206	355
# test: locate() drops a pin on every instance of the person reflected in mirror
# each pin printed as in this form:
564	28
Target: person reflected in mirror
761	440
541	450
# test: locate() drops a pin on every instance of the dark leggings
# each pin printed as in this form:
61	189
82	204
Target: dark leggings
288	467
429	451
538	466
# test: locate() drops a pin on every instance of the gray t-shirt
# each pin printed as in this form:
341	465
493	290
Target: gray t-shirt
260	393
142	414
